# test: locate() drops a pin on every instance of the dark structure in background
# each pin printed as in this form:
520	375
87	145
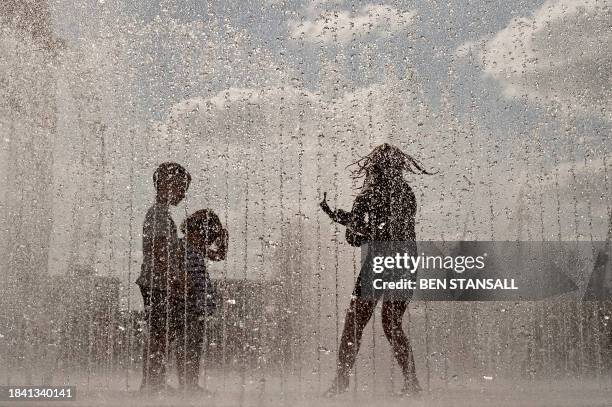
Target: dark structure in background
28	111
88	310
235	333
28	102
31	17
75	329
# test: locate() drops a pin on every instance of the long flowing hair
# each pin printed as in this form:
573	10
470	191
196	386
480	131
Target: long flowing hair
385	162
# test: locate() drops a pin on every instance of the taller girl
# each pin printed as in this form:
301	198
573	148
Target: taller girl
384	210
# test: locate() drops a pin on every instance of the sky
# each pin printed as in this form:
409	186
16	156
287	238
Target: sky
493	49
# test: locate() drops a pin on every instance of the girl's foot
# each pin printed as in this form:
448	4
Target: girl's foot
339	385
411	388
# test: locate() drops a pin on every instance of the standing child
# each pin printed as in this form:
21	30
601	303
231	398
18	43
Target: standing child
160	271
205	238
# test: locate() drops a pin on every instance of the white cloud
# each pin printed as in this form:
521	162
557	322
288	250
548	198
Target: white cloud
233	96
341	25
558	54
219	101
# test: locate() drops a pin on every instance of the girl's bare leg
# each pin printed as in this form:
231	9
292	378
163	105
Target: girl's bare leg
357	317
392	314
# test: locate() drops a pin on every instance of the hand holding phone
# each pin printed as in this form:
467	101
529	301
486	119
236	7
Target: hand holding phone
325	206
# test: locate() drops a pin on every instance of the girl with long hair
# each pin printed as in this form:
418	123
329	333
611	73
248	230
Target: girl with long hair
384	210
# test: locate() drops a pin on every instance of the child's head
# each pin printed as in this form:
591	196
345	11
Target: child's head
385	162
171	181
201	228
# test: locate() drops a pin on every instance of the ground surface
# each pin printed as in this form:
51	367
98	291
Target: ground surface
276	392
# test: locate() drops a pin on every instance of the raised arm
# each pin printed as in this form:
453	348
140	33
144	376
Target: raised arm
338	215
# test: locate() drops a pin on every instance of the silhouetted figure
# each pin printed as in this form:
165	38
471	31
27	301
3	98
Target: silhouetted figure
205	239
384	210
160	271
